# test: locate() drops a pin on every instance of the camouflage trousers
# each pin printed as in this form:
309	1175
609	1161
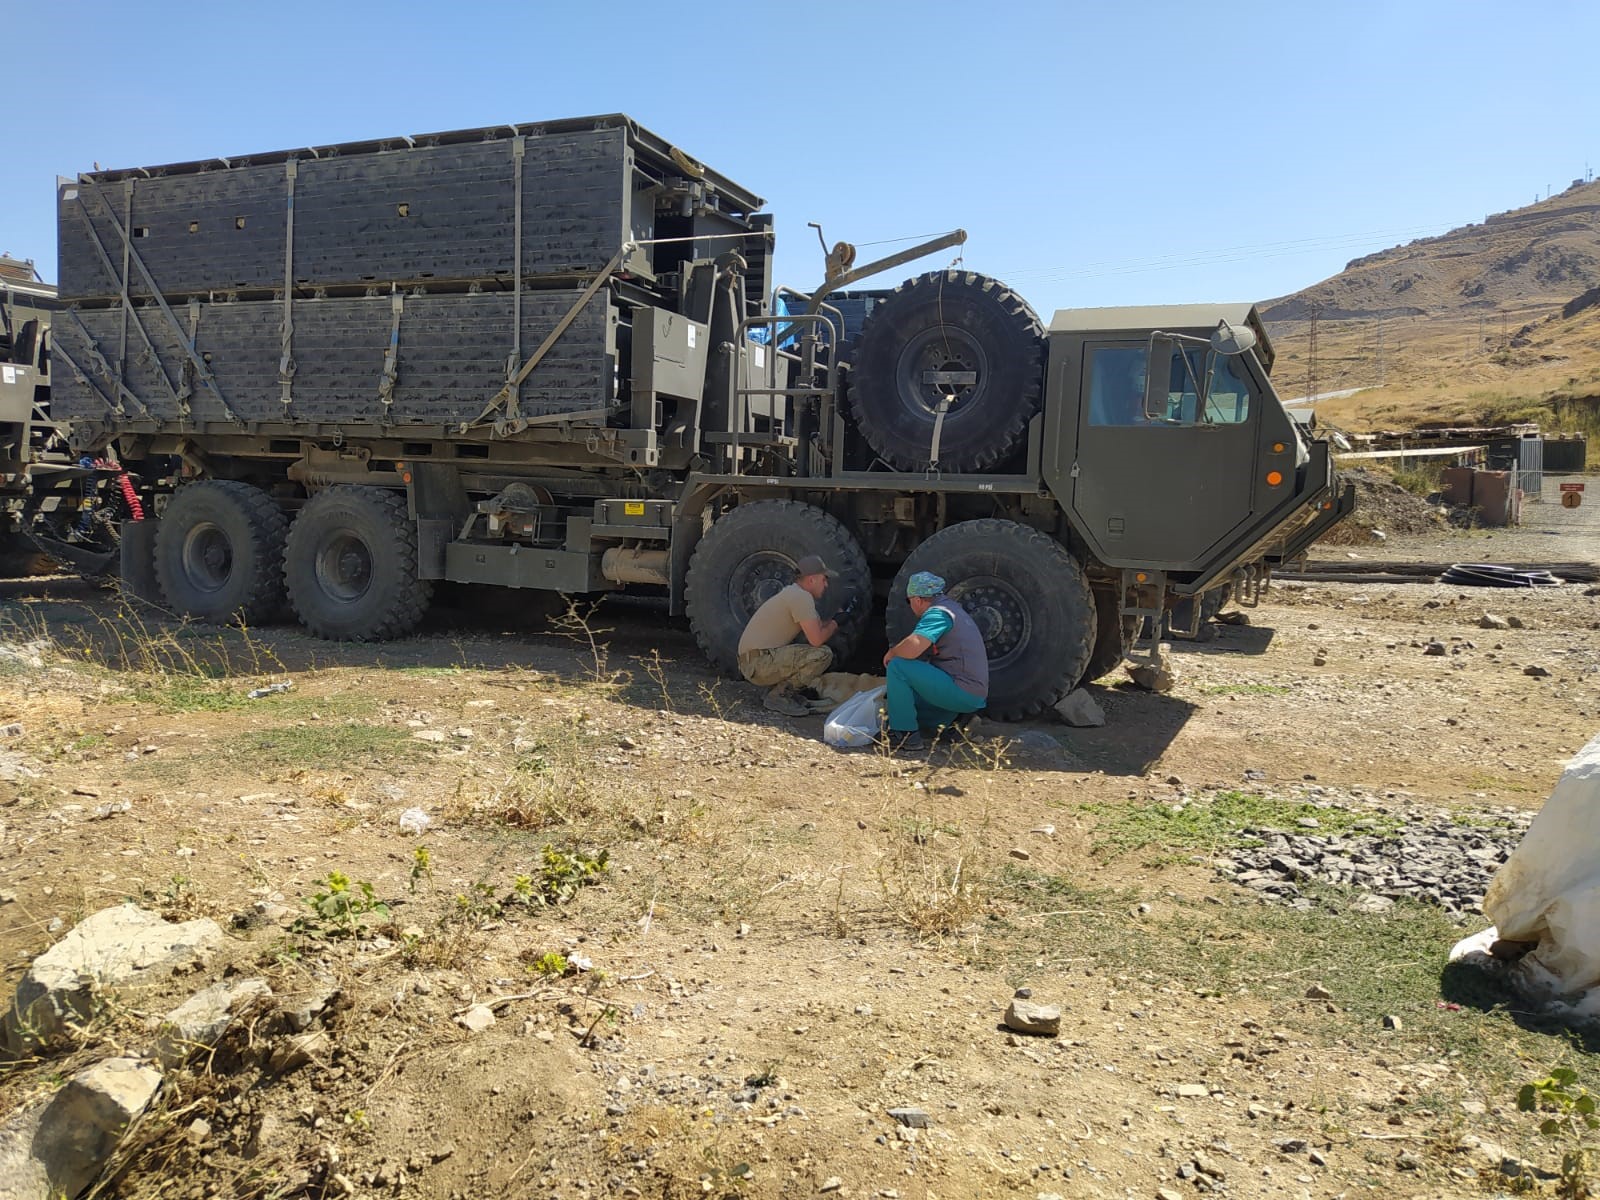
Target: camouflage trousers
796	665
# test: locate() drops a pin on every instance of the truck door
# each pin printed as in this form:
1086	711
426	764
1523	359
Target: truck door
1163	488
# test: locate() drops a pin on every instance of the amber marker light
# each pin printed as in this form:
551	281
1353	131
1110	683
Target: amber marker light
1277	447
1274	478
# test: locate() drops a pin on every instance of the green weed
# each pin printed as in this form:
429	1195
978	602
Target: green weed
1244	689
337	909
1224	820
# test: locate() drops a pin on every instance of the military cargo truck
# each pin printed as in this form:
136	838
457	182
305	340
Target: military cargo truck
553	357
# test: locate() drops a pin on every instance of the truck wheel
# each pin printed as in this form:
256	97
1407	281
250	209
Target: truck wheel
1028	597
748	555
948	321
1112	635
219	552
351	566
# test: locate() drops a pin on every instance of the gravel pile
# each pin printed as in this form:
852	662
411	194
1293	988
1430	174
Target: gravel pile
1384	505
1433	859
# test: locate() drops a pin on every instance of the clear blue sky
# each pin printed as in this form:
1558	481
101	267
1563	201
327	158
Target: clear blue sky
1097	154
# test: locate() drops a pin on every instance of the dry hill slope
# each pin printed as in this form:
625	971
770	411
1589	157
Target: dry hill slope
1492	321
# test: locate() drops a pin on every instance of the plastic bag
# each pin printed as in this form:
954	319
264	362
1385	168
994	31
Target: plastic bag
855	722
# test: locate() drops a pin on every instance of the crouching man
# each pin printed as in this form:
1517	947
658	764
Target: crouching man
769	655
937	672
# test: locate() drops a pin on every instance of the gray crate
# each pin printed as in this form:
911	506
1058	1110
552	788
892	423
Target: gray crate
452	359
408	211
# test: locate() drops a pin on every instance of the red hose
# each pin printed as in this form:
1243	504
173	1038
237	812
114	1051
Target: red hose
129	494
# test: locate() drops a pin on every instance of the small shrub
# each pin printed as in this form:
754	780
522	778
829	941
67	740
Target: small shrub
338	907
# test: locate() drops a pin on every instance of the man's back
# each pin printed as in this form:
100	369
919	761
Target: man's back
777	622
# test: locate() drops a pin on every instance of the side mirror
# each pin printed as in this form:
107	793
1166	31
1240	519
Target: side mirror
1229	339
1157	377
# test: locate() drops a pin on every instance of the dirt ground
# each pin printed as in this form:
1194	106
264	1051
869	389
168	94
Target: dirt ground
786	942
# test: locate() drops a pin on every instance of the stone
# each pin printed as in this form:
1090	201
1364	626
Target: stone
1516	623
429	735
1490	621
300	1012
1232	617
911	1118
1020	854
1025	1016
1316	1159
1536	671
1435	650
1193	1091
57	1147
1317	992
1080	709
1319	659
1036	745
117	948
11	730
1207	1165
1393	1022
199	1022
831	1184
297	1050
476	1019
1166	1193
1157	674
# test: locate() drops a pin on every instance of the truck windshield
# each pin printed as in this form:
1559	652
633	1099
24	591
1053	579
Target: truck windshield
1116	388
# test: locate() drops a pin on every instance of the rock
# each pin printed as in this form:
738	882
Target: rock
1156	675
1319	659
1536	671
1490	621
1233	617
429	735
476	1019
1407	1161
116	948
1080	709
1207	1165
200	1021
299	1013
13	729
1292	1146
296	1051
198	1132
1316	1159
831	1184
1317	992
1020	854
463	733
911	1118
1193	1091
1435	649
1166	1193
1393	1022
1023	993
58	1146
1516	623
1025	1016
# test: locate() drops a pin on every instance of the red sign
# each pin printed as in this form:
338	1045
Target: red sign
1572	487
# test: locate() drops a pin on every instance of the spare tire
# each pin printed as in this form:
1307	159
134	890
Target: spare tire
1029	598
942	324
748	555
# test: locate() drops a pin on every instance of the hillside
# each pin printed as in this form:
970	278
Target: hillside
1496	320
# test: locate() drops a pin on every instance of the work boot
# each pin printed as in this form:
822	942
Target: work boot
781	700
903	743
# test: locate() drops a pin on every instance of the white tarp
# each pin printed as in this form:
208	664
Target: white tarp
1548	892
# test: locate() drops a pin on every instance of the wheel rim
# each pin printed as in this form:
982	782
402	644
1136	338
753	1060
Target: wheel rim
941	348
344	566
207	557
757	579
1001	614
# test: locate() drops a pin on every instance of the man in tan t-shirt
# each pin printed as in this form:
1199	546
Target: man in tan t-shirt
770	657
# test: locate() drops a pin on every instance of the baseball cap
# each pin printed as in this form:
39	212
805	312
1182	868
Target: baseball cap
925	584
811	564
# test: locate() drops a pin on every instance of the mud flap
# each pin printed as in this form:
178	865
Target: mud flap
138	567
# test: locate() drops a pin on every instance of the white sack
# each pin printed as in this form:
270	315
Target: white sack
1548	891
855	722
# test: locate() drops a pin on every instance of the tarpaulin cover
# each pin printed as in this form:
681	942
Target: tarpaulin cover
1548	891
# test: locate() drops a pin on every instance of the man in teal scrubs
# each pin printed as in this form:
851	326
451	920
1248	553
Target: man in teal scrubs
937	672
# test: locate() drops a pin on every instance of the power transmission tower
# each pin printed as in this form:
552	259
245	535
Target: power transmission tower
1315	309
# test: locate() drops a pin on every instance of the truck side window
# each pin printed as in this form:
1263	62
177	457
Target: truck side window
1116	386
1228	398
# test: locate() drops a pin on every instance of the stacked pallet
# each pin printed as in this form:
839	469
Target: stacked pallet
266	289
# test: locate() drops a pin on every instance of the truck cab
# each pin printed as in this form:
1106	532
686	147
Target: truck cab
1185	477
